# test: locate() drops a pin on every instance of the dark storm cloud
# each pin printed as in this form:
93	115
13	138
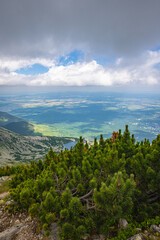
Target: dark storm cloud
48	28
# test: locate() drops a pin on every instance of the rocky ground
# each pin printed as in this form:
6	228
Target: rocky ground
18	227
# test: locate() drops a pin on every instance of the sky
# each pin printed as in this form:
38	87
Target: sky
80	43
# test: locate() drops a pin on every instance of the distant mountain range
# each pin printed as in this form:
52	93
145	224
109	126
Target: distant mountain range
17	125
17	148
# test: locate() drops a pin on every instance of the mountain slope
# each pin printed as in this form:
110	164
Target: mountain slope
22	127
16	124
6	118
18	148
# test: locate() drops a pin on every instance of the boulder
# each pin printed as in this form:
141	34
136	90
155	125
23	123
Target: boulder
122	223
155	228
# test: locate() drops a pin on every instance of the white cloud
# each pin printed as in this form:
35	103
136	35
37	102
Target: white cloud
141	70
9	64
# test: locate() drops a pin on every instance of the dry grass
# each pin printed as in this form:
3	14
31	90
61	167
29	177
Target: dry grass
4	186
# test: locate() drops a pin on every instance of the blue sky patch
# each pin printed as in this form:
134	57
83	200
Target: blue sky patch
101	61
72	58
157	66
33	70
104	60
156	49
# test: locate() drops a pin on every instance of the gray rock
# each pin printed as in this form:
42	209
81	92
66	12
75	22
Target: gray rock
86	237
40	236
17	222
155	228
11	232
135	237
152	237
95	237
102	237
139	229
98	237
54	232
4	178
122	223
28	219
9	202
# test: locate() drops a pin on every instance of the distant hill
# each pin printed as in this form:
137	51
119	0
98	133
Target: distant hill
22	127
16	124
17	148
6	118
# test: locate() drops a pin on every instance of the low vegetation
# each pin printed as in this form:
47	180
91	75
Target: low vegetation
89	188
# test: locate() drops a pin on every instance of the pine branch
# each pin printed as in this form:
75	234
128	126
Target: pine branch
56	177
65	180
74	193
86	195
89	207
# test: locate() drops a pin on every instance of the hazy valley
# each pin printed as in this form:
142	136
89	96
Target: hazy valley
87	114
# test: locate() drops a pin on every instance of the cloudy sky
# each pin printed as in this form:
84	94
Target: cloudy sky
80	42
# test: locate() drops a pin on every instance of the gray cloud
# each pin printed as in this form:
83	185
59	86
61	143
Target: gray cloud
50	28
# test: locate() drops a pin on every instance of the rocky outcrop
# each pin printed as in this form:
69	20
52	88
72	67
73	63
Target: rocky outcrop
18	226
10	233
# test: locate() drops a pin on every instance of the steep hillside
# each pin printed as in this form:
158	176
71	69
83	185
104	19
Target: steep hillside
15	147
22	127
6	118
16	124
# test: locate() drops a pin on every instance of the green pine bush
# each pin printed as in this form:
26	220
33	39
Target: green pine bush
89	188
